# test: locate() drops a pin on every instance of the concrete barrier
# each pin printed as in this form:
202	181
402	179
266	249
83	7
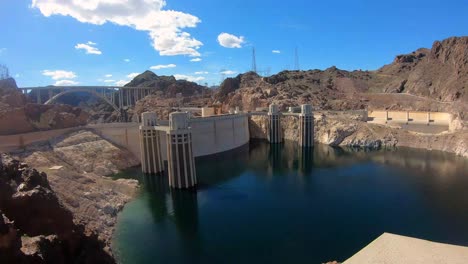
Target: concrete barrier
409	117
14	142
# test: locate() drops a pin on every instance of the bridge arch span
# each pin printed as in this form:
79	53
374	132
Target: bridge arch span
55	97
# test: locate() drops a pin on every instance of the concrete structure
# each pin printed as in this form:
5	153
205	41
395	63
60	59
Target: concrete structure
208	111
217	134
409	117
274	125
180	159
210	135
390	248
422	122
150	145
116	96
306	126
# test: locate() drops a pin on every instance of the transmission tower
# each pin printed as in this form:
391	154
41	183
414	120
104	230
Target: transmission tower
296	60
223	75
254	62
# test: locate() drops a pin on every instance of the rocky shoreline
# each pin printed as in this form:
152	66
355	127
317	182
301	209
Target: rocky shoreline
350	131
77	165
35	226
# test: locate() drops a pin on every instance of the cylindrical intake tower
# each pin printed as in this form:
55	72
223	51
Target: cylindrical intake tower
306	126
274	124
150	145
180	159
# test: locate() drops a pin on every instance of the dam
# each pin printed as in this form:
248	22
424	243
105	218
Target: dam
256	186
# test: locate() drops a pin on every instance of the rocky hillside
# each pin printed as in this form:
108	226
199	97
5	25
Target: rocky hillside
167	86
76	165
17	115
436	74
34	225
164	99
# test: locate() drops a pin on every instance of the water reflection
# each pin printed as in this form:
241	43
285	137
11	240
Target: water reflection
272	203
184	211
157	186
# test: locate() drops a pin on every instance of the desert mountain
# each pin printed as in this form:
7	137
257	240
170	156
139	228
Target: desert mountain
166	85
437	74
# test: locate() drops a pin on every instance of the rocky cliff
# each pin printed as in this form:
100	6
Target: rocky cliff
438	75
35	227
19	116
76	165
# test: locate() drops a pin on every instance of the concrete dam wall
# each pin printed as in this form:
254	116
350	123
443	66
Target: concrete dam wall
210	135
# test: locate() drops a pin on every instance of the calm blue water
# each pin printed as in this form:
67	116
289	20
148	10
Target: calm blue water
264	204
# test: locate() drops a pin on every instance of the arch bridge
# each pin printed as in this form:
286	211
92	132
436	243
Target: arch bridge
118	97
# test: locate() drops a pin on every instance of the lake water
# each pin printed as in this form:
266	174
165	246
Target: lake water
282	204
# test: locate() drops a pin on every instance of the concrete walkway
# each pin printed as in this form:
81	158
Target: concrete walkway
393	249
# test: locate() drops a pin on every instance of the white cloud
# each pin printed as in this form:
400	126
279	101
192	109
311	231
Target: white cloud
230	41
276	51
165	27
59	74
17	75
109	81
121	82
89	48
65	83
189	78
2	50
158	67
108	75
127	60
201	72
228	72
196	60
133	75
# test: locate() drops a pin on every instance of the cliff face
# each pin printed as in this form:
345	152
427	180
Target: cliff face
440	72
42	230
437	74
19	116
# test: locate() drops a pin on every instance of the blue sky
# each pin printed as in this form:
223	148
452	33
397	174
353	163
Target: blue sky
103	42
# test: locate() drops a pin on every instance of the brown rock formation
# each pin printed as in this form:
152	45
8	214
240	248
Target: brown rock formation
19	116
43	229
81	161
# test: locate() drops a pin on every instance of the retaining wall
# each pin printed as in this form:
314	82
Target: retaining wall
416	117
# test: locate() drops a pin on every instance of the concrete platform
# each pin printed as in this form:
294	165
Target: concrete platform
393	249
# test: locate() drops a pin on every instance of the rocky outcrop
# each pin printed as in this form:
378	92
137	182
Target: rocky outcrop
19	116
42	230
168	94
166	85
76	165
